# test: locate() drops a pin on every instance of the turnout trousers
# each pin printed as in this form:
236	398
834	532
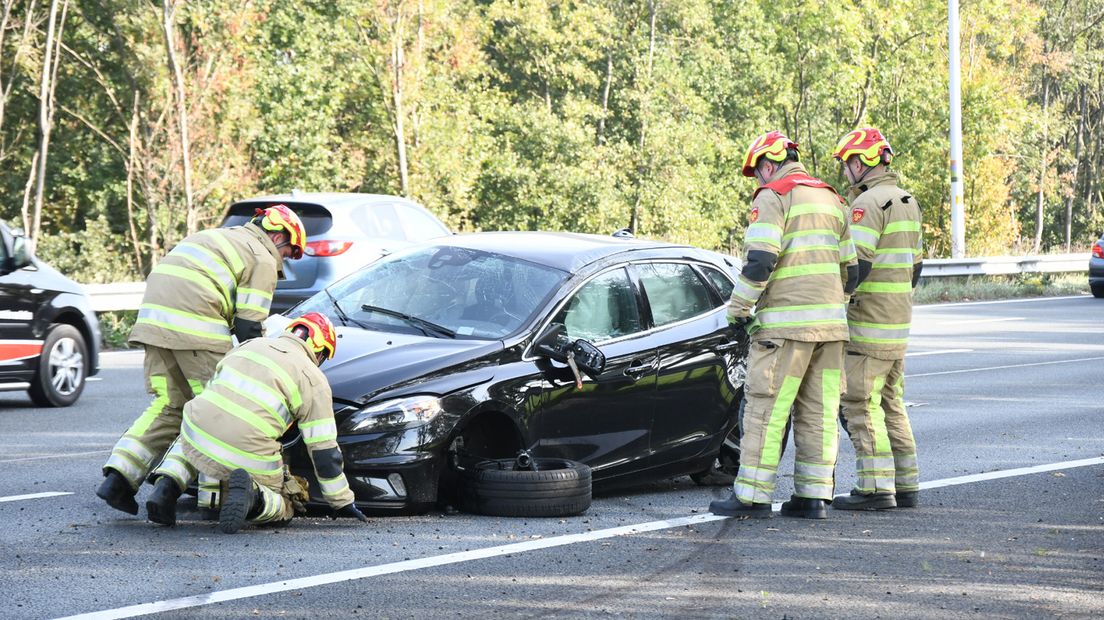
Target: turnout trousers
804	376
174	378
184	464
874	408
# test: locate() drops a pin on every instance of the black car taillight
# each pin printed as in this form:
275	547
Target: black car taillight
1098	251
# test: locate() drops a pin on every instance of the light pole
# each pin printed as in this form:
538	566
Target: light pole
958	224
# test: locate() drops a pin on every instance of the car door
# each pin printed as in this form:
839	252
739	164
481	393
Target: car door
19	348
606	423
695	398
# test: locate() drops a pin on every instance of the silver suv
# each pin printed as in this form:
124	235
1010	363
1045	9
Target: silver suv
344	233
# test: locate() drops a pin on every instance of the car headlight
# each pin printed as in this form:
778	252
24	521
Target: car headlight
393	414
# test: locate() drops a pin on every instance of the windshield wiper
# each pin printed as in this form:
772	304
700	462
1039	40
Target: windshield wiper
425	326
344	318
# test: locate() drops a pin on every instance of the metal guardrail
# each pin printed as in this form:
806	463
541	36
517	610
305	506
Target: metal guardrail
127	295
1005	265
119	296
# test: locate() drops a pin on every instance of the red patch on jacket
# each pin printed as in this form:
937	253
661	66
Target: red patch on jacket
754	215
857	214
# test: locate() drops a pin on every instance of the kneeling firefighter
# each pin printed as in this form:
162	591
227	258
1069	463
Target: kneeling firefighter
231	432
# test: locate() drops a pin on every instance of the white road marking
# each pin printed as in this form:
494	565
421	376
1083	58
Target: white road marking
300	583
955	372
919	353
55	456
1001	301
1010	473
1002	319
94	379
16	498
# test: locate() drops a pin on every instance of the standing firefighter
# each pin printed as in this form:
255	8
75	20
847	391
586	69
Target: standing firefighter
212	284
231	432
799	265
886	229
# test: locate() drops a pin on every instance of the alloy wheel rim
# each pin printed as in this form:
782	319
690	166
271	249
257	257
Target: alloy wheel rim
66	366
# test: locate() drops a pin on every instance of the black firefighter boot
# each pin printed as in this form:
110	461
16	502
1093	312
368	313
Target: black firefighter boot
241	502
805	507
908	499
864	501
161	504
733	507
116	491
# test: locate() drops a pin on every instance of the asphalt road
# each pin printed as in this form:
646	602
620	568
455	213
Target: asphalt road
1011	388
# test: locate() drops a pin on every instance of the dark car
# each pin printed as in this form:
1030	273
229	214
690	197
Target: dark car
49	335
440	359
344	233
1096	268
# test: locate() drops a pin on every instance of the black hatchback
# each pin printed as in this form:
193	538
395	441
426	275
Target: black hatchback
440	357
49	335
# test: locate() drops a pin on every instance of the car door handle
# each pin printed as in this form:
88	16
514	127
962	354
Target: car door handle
640	368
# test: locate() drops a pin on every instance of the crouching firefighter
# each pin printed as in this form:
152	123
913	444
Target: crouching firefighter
231	432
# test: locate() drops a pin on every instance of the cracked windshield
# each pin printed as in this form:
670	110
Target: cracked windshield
440	292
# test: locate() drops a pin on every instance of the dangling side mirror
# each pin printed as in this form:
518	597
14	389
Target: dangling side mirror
22	252
552	341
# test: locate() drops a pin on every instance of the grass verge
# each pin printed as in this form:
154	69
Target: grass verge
115	327
987	288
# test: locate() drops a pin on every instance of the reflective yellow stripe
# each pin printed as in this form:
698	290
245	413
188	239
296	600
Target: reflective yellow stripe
901	226
815	209
175	271
183	322
885	287
813	269
228	455
319	431
264	396
291	386
761	232
865	236
236	263
242	414
333	487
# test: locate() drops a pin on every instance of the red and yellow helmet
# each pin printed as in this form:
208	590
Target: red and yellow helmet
279	218
321	337
867	143
771	145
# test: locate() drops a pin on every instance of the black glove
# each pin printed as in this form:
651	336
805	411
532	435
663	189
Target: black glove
351	512
739	322
245	329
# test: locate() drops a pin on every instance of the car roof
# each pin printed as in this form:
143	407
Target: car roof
562	250
336	200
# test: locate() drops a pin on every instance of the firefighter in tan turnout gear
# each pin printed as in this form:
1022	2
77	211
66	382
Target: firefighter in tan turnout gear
799	265
232	431
212	284
885	225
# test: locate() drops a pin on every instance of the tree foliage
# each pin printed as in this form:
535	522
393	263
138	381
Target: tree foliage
582	115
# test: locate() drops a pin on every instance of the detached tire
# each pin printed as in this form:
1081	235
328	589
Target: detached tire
62	368
558	488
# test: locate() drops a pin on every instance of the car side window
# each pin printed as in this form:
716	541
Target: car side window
721	282
674	291
418	225
603	309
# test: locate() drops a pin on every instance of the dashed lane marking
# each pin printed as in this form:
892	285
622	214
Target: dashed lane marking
956	372
490	552
16	498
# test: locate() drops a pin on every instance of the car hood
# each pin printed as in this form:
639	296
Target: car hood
368	362
51	279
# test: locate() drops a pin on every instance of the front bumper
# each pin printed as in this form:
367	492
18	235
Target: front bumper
383	479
